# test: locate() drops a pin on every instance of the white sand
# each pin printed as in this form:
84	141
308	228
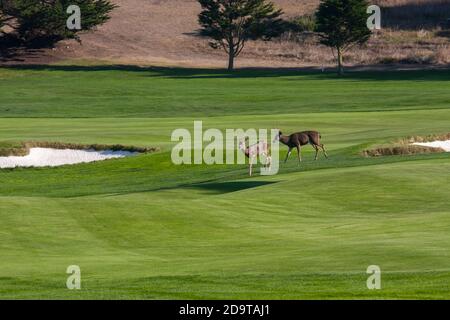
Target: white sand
47	157
445	145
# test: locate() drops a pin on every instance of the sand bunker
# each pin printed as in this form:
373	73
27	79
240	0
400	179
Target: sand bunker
48	157
444	145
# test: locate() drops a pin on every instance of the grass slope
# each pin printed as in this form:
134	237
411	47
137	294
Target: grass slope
141	227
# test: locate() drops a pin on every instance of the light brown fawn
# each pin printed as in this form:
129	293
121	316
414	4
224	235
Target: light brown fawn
254	151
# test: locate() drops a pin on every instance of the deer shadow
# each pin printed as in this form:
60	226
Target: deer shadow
229	187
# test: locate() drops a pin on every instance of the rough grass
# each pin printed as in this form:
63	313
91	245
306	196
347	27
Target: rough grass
400	150
429	138
405	146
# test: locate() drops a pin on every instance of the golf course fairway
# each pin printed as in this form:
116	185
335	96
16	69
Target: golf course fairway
144	228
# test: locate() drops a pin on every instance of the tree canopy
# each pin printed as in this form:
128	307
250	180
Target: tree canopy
342	24
231	23
46	19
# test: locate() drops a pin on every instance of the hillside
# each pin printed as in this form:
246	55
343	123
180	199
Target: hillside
164	33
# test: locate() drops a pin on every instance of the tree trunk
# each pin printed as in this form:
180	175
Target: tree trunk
231	60
340	62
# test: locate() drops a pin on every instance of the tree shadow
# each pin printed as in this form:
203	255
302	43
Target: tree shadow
229	187
11	56
417	15
443	33
172	72
14	51
367	72
398	73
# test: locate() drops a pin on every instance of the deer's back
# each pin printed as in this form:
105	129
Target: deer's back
306	137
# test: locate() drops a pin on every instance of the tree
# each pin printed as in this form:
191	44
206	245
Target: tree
46	19
231	23
3	20
2	23
342	24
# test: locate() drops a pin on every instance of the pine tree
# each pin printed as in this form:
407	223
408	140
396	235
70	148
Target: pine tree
46	19
342	24
231	23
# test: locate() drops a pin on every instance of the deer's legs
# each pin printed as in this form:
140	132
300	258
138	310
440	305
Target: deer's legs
288	154
266	160
324	152
317	152
299	153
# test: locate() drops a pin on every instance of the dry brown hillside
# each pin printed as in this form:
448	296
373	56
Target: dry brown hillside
162	32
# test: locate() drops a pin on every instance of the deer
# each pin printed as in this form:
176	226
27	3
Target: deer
252	152
299	139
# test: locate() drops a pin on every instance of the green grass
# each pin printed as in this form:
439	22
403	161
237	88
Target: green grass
115	91
142	227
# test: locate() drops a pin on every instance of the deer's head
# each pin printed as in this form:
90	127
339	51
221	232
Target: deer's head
278	136
242	145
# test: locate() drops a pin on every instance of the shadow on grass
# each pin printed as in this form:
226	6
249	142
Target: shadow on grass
229	187
171	72
398	72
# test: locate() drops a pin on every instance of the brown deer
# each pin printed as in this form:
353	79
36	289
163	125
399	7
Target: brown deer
299	139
